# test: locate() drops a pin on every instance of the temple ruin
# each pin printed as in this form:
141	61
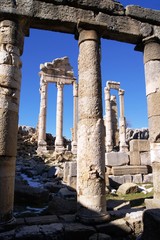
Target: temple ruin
58	71
89	21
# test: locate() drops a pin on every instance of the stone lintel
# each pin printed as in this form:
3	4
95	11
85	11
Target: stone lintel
64	18
113	85
124	170
57	79
143	14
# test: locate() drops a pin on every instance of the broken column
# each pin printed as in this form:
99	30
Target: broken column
108	120
42	145
152	78
91	151
59	118
122	123
75	117
11	47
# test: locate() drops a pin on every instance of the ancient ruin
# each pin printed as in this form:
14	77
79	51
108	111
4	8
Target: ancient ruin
58	71
89	21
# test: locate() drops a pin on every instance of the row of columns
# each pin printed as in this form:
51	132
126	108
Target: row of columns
109	120
59	143
91	152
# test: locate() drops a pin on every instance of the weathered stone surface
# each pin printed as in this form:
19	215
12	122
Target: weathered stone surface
156	179
139	145
115	228
148	178
41	220
134	157
123	170
127	188
116	158
145	158
151	222
78	231
137	178
143	14
152	203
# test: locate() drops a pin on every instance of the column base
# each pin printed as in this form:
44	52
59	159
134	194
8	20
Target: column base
4	222
124	148
59	148
74	148
93	218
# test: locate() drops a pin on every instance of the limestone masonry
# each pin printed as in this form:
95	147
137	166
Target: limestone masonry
88	21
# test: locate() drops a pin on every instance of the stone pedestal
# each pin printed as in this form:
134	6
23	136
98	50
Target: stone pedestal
91	151
11	47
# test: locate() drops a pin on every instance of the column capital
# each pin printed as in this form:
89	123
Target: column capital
87	35
60	85
121	92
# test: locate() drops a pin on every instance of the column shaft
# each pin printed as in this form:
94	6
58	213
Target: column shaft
42	116
152	79
59	118
108	120
91	150
122	123
11	47
75	117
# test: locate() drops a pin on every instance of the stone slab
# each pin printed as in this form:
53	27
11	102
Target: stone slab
73	169
145	158
134	157
124	170
140	145
116	158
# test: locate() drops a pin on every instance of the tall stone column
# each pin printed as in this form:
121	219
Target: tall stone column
42	145
91	148
152	79
114	117
122	123
75	117
108	120
59	118
11	47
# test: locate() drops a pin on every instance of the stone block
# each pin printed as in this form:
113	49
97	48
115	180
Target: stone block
127	178
66	171
116	158
145	158
151	224
115	181
134	158
148	178
152	203
140	145
73	169
72	181
124	170
127	188
137	178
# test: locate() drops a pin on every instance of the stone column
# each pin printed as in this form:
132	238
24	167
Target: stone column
108	120
59	118
152	79
91	149
114	117
42	145
75	117
122	123
11	47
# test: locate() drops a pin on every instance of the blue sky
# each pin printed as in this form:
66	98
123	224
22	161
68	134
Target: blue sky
119	63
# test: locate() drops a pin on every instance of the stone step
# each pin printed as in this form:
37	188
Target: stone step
124	170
